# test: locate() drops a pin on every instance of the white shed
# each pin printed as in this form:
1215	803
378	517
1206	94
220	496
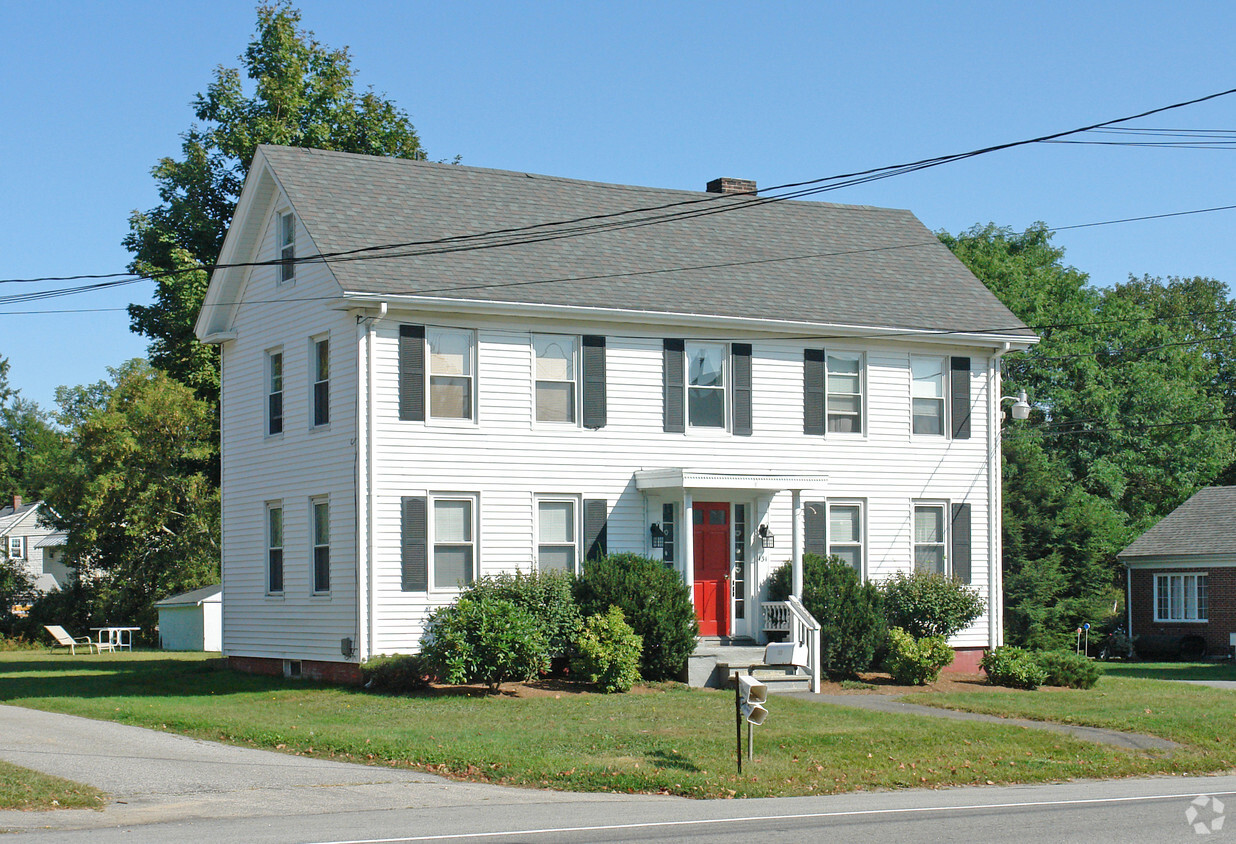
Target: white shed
192	621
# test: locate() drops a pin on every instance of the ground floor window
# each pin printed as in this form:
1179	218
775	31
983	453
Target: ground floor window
845	534
929	538
557	536
454	542
1180	597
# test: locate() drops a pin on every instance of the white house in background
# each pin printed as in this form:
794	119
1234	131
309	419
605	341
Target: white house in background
192	621
26	536
532	370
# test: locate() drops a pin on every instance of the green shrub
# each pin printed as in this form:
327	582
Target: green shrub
927	604
545	595
655	602
399	674
1068	668
916	662
1013	667
850	613
484	640
607	652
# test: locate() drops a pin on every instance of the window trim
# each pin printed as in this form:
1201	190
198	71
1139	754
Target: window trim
314	503
271	355
272	506
945	533
861	544
20	542
285	246
576	381
945	417
473	348
726	389
862	392
577	526
431	544
316	382
1196	603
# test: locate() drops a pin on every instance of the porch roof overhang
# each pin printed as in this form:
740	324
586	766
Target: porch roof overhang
678	478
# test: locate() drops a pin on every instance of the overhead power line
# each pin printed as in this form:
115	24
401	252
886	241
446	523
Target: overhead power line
591	224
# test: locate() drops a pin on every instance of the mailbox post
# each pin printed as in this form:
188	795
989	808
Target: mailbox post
749	695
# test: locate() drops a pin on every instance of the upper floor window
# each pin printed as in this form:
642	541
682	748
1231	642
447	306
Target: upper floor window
927	395
321	381
845	534
706	384
320	517
557	535
454	542
274	392
17	547
274	548
845	392
287	247
451	373
1180	597
557	371
929	539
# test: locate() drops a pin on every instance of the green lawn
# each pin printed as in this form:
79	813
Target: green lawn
21	788
1172	670
670	740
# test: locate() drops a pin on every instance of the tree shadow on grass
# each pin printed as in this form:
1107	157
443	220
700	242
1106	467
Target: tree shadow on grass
1172	670
670	759
125	675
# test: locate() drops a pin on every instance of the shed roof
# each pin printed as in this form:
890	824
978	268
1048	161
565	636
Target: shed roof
1205	524
734	256
189	599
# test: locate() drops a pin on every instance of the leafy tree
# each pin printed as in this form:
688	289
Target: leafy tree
16	589
25	432
133	490
302	94
1117	382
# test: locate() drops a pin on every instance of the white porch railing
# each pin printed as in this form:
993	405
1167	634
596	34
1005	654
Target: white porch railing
801	629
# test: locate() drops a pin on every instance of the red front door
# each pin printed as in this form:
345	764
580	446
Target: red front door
711	525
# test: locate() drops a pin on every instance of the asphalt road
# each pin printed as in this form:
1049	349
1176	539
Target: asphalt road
170	788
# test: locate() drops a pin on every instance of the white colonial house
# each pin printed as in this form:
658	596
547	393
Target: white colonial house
434	372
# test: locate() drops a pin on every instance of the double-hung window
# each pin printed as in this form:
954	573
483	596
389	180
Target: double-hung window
845	534
845	392
17	547
274	392
929	538
452	361
557	534
320	519
321	381
706	382
557	372
287	248
927	394
454	541
274	548
1180	597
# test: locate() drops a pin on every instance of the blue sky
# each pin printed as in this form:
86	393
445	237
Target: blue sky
648	93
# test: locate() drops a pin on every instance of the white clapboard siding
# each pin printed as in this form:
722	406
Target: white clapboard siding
289	468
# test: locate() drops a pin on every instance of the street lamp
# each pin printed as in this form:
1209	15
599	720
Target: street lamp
1021	405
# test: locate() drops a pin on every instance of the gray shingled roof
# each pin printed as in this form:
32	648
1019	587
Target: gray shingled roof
883	267
1205	524
192	598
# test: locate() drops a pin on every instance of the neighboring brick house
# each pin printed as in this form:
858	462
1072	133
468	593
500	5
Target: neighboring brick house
1181	574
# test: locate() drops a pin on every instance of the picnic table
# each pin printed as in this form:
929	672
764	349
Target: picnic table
117	637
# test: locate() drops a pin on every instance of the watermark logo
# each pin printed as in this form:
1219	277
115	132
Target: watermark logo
1205	814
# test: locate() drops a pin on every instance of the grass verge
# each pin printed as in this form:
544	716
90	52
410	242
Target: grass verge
21	788
668	740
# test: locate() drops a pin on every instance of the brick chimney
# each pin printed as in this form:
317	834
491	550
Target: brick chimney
16	502
727	185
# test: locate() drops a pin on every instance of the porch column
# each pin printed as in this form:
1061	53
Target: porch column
688	544
796	542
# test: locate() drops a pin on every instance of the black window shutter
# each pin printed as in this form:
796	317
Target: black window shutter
412	373
740	354
674	379
959	390
596	511
813	391
414	544
961	542
815	528
594	382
